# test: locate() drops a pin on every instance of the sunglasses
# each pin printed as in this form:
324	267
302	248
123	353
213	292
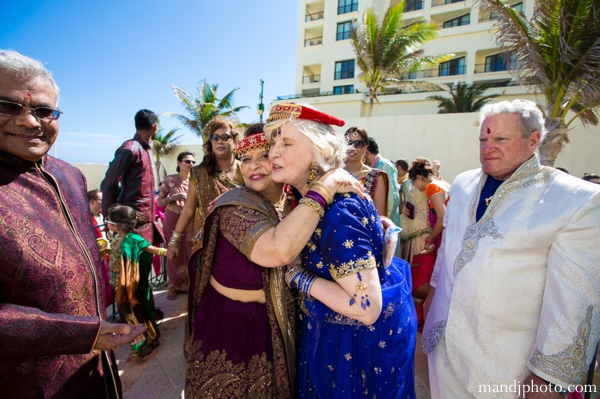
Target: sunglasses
189	162
15	109
223	137
107	221
357	143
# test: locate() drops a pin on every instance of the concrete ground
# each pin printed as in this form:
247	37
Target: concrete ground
162	374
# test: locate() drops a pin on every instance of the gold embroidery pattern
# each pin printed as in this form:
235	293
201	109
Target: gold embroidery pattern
352	267
527	174
215	377
348	356
243	227
348	244
311	246
318	233
570	364
319	265
364	221
430	339
337	318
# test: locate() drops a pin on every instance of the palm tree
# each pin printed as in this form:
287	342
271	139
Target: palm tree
386	51
162	146
464	98
558	55
202	109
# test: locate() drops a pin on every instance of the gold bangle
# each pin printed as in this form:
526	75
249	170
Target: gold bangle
314	205
329	196
177	235
325	194
161	251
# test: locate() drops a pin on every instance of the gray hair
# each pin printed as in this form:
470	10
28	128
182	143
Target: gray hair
328	145
24	68
530	116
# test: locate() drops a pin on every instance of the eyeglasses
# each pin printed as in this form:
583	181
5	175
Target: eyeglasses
223	137
189	161
357	143
15	109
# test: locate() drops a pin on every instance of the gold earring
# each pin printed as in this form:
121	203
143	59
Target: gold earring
314	171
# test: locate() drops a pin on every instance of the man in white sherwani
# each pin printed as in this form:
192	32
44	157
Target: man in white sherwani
514	309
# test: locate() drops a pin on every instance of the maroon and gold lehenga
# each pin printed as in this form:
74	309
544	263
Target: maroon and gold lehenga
239	349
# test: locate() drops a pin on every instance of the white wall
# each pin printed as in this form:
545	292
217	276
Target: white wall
449	138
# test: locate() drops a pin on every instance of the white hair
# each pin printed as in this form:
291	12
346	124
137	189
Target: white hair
530	116
24	68
328	145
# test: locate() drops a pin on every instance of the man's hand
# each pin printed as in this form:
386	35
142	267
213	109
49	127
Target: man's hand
114	335
544	393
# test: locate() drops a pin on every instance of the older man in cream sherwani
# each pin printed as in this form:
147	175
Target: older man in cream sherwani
515	309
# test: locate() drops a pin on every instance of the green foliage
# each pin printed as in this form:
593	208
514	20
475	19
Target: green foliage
388	50
203	108
163	145
464	98
558	55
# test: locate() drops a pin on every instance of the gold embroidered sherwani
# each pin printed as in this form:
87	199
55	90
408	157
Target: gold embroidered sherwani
519	290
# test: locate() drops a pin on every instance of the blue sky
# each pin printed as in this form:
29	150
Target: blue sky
112	58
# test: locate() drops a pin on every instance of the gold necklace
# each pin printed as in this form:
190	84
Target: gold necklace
357	173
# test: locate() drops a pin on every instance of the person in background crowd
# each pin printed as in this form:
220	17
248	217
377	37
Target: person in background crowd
375	160
358	324
173	194
218	172
130	263
95	201
562	170
591	177
56	341
376	181
516	287
403	180
132	167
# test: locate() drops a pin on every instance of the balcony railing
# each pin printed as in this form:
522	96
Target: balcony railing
437	3
413	5
313	41
436	72
315	16
330	93
495	67
306	79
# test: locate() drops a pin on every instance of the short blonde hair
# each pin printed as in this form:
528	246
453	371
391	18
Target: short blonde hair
328	146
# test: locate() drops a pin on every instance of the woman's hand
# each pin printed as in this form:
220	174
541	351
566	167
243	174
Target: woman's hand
172	252
178	197
339	181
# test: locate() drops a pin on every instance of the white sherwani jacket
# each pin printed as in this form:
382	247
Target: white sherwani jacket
519	289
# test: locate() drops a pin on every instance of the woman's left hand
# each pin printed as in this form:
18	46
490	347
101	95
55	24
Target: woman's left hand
340	181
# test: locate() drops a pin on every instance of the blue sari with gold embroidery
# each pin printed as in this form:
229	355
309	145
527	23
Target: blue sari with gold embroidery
340	357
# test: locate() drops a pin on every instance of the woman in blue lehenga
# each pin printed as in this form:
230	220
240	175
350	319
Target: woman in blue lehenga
357	320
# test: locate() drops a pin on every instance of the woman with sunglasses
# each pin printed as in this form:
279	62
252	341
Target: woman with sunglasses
173	194
241	312
375	180
218	172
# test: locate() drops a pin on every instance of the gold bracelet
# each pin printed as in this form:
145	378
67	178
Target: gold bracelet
314	205
327	194
161	252
174	242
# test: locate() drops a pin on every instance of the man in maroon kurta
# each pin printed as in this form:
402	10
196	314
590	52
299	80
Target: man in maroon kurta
132	166
54	340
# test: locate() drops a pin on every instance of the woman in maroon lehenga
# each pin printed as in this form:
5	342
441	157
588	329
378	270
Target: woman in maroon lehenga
173	194
241	315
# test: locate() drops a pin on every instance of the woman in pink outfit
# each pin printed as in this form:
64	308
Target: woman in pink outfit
173	194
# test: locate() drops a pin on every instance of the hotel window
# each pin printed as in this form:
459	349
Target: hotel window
459	21
496	62
343	30
346	6
453	67
348	89
344	70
